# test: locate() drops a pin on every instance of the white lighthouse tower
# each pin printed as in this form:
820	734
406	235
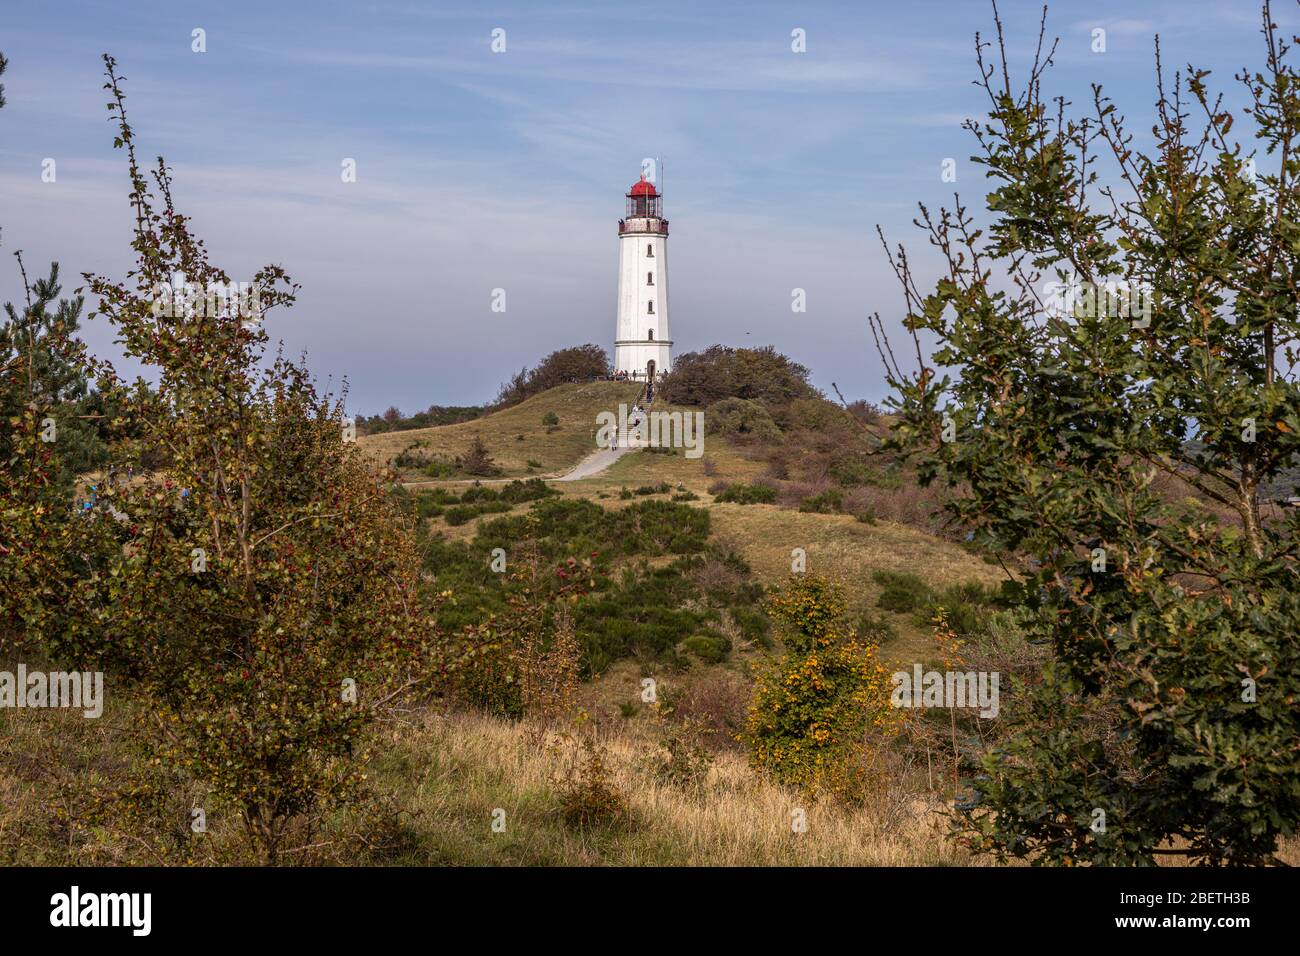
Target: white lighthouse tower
643	346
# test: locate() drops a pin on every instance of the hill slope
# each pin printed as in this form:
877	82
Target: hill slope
553	448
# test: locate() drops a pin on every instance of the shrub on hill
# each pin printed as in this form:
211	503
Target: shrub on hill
477	460
763	403
828	502
479	500
815	710
753	625
740	417
743	494
709	648
432	416
582	363
760	375
818	414
621	609
966	606
864	411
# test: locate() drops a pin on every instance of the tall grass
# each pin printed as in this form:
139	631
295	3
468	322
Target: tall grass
453	771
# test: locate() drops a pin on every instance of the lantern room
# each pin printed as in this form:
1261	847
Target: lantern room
644	201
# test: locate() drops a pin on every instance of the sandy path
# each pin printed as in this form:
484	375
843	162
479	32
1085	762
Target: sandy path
595	464
592	465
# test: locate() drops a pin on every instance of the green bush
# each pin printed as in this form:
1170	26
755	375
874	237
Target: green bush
708	648
856	473
432	503
743	494
967	607
737	416
830	501
439	469
460	514
550	418
644	614
902	592
476	493
642	610
753	624
814	710
876	628
533	489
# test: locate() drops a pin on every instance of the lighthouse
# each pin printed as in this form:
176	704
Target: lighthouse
643	345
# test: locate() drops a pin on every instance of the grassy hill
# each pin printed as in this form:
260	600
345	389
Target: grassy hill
514	436
837	545
443	772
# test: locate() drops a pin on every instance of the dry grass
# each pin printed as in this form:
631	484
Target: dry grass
848	551
646	468
455	770
556	451
447	774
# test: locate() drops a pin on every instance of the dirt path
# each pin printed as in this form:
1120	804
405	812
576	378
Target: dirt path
595	464
590	466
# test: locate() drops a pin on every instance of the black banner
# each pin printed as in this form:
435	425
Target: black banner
142	906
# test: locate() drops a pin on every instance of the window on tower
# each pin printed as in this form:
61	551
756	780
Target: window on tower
650	307
649	250
650	335
649	278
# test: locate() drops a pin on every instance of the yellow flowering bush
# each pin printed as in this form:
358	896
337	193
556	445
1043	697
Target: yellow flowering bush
816	710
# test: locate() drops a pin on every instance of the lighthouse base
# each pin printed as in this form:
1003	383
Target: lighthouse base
643	360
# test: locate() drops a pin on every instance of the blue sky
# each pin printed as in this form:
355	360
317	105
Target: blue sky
479	170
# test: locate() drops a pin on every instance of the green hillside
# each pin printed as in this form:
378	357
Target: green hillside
514	436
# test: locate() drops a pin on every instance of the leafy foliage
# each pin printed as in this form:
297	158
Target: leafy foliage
742	417
813	710
44	366
622	605
743	494
582	363
1170	702
760	375
251	576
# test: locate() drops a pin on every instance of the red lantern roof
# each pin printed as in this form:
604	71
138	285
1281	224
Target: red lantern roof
642	188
